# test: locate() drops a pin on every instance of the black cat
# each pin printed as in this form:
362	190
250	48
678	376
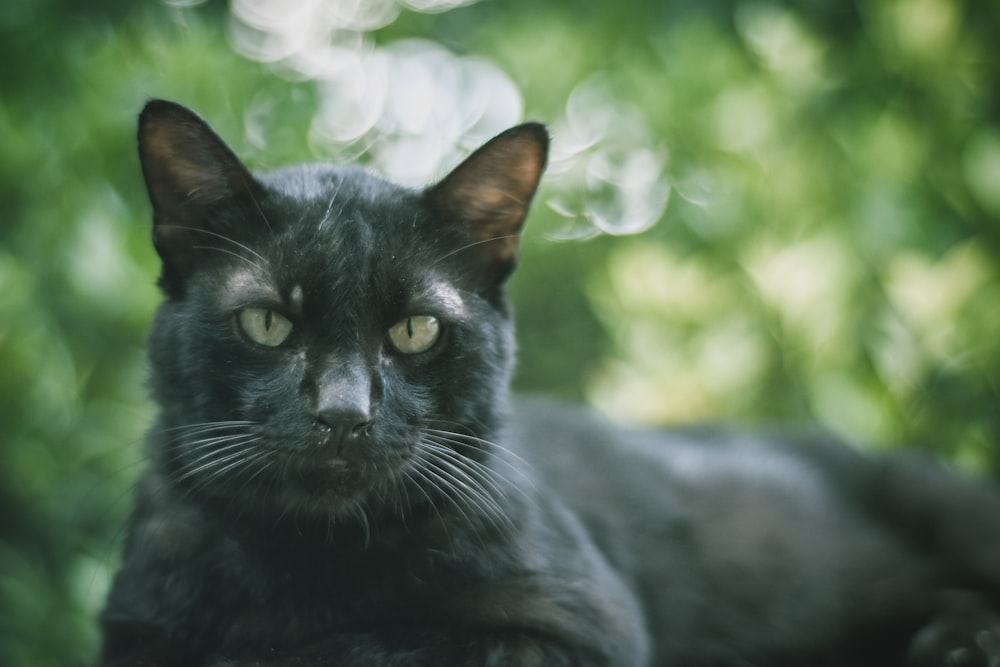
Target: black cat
337	477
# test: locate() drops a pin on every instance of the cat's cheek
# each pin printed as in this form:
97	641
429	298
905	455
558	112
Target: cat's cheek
268	386
403	392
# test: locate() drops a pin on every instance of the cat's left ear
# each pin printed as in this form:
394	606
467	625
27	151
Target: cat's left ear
489	194
190	173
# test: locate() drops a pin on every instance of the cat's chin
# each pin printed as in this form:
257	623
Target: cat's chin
326	488
326	506
335	490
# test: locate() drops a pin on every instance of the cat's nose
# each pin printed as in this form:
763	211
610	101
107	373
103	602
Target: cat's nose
344	424
343	404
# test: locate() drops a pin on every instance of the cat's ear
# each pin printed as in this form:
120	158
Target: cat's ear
489	194
189	172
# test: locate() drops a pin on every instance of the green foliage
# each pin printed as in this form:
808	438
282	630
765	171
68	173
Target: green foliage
828	249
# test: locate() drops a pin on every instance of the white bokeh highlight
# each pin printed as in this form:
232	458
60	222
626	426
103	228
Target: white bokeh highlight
413	108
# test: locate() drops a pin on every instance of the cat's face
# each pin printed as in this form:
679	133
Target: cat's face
329	341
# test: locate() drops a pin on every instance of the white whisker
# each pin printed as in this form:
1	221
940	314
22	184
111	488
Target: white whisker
228	461
225	238
475	490
446	490
511	460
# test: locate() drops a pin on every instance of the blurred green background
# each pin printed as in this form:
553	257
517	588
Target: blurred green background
780	211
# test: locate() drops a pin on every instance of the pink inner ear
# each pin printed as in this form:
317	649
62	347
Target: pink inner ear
184	162
492	188
487	205
527	163
489	193
491	197
181	177
200	182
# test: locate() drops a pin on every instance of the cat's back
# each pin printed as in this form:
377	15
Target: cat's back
717	526
590	459
702	492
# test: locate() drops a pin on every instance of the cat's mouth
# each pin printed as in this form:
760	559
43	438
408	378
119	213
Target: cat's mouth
326	470
327	488
327	479
295	473
336	456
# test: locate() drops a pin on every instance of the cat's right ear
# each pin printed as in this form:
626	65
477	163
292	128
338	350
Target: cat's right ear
189	171
489	194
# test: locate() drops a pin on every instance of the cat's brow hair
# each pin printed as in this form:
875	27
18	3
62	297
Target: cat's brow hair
328	214
252	282
256	204
222	237
443	294
296	296
468	246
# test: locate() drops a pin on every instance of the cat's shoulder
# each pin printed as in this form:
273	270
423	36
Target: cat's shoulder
566	426
574	446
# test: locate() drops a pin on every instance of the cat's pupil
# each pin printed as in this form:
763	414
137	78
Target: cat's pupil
415	334
264	326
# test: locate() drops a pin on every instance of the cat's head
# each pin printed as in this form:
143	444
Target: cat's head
329	341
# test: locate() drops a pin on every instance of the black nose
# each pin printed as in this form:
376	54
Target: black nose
343	406
344	424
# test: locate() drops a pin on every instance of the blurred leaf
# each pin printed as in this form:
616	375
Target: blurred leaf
815	183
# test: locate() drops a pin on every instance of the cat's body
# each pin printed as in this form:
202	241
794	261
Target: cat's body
337	477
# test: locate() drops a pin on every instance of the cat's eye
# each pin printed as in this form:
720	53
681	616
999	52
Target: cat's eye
415	334
264	326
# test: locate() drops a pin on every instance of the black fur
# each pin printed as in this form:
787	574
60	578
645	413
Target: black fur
334	500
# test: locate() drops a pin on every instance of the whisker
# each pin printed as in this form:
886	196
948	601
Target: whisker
473	245
253	198
472	490
475	441
211	440
193	434
358	512
199	443
268	458
481	474
435	481
230	252
409	472
215	460
498	453
328	214
221	237
231	461
211	453
251	462
203	426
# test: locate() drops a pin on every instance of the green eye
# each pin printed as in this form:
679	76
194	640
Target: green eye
264	326
415	334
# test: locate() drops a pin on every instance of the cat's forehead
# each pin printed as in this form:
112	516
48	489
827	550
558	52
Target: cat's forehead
331	286
344	213
341	240
319	194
